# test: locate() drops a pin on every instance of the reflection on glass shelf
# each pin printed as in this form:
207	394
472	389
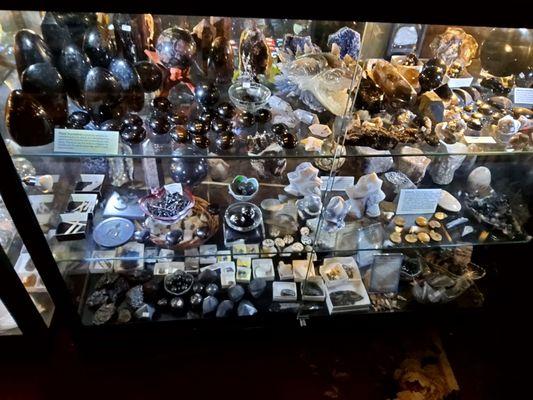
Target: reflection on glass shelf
8	326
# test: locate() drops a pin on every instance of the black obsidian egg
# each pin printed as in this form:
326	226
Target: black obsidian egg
161	103
159	126
219	124
198	287
99	46
226	110
288	141
279	129
30	49
207	116
132	134
225	140
179	134
78	119
196	127
130	83
74	65
206	94
102	94
110	125
246	119
132	119
177	118
151	75
202	141
263	115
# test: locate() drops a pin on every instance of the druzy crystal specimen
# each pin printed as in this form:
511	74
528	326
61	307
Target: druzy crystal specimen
348	40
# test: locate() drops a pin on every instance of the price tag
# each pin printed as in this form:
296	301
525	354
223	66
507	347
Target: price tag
418	201
85	142
480	140
523	95
126	28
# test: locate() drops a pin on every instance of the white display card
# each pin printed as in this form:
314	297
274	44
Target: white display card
85	142
418	201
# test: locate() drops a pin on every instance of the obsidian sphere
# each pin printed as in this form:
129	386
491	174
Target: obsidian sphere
206	94
196	127
78	119
177	118
225	140
263	115
226	110
202	141
132	134
288	141
431	77
219	124
150	74
110	125
132	119
507	51
161	103
159	126
246	119
279	129
207	116
179	134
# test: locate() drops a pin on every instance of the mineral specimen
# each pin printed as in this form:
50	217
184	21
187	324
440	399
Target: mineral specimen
224	309
30	49
365	196
335	213
453	45
99	46
413	166
348	40
257	287
236	293
209	305
394	85
442	169
254	53
175	48
478	182
304	180
246	309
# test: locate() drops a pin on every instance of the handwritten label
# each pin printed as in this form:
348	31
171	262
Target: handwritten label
337	183
418	201
479	140
523	95
86	142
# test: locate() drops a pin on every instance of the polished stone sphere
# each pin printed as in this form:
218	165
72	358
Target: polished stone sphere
206	94
175	48
161	104
263	115
507	51
225	140
78	119
189	167
226	110
279	129
150	74
201	141
179	134
132	134
246	119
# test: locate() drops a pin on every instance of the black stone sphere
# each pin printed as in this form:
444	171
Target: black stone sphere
263	115
150	74
225	140
161	103
206	94
177	118
207	116
202	141
159	126
78	120
132	119
226	110
288	141
196	127
279	129
110	125
179	134
132	134
219	124
246	119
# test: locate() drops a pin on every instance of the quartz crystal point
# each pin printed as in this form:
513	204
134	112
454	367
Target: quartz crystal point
254	53
365	196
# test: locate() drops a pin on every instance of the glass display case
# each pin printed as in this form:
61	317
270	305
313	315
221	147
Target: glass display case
240	169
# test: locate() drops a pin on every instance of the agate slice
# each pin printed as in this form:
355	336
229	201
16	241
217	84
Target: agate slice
102	94
99	46
220	60
44	84
254	53
74	66
27	121
30	49
130	83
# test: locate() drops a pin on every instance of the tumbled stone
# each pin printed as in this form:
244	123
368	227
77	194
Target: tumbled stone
246	309
224	309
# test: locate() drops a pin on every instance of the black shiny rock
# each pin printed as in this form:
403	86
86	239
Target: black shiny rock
225	140
177	304
224	309
78	120
30	49
257	287
104	314
411	60
141	236
201	233
206	94
198	287
246	309
254	49
162	303
102	94
177	118
263	115
496	85
196	300
209	305
132	35
279	129
207	276
226	110
207	116
288	141
55	33
161	103
196	127
173	237
99	46
130	83
444	92
151	288
74	65
212	289
97	298
179	134
110	125
132	120
219	124
77	24
135	297
150	74
506	52
431	77
246	119
220	60
132	134
44	83
27	121
201	141
236	293
159	126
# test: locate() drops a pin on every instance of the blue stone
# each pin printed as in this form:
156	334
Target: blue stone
348	40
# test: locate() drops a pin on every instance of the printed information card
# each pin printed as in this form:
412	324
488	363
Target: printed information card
523	95
86	142
418	201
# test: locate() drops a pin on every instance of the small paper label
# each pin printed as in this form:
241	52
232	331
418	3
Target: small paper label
86	142
418	201
523	95
172	188
460	82
479	140
126	28
337	183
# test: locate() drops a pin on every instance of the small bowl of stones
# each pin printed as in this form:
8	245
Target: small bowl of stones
178	283
243	188
167	204
243	217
